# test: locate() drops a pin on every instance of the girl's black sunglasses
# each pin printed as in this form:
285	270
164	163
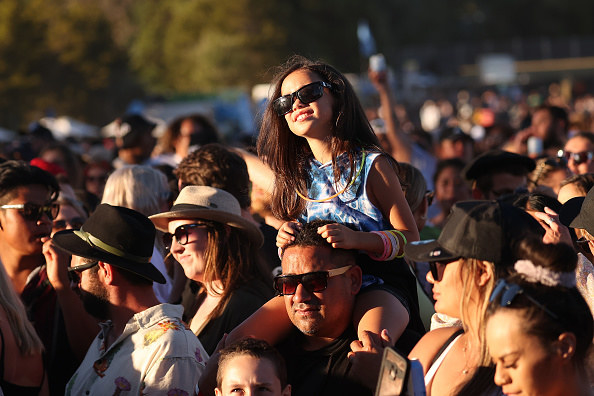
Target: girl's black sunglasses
306	94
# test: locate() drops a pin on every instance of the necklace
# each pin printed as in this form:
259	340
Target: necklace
338	193
466	369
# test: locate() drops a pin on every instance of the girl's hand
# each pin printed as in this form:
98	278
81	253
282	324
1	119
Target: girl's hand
286	233
340	236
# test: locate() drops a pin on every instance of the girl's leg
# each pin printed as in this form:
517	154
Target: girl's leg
376	310
269	323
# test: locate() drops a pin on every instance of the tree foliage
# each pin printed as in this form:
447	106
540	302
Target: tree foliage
88	58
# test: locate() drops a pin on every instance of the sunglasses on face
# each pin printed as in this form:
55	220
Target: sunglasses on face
74	272
286	285
181	234
578	158
33	212
306	94
509	291
75	223
435	271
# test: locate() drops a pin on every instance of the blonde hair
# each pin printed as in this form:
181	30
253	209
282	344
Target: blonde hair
25	335
473	313
137	187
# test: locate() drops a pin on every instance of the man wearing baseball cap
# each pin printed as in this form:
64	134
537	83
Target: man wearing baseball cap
143	347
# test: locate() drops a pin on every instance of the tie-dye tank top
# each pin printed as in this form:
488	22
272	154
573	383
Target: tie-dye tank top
353	206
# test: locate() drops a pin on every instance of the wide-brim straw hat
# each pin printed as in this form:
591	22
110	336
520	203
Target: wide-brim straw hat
115	235
208	203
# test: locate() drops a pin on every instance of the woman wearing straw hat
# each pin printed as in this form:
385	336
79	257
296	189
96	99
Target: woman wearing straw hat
218	248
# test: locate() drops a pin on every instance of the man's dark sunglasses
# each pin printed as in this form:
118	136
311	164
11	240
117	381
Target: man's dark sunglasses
73	272
33	212
507	292
181	234
578	158
306	94
286	285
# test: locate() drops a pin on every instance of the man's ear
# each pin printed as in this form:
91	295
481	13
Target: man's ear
356	278
565	346
218	392
107	272
476	193
287	390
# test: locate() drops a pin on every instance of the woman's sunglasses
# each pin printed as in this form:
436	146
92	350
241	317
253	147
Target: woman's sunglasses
286	285
33	212
75	223
181	234
435	271
306	94
507	292
578	158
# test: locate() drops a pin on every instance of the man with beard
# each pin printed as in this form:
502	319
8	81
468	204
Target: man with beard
143	347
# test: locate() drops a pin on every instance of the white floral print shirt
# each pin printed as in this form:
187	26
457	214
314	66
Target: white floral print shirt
156	354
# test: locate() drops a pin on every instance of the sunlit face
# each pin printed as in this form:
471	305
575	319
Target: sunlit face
68	218
250	376
191	255
322	314
523	364
310	120
447	290
542	124
18	235
450	188
579	144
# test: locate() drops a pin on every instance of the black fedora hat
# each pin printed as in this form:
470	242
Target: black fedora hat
116	235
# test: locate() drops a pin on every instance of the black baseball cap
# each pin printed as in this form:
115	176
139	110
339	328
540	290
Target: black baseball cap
483	230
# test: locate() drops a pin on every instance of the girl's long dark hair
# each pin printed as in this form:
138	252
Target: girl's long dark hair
288	154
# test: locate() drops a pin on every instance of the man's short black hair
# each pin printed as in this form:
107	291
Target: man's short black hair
14	174
308	236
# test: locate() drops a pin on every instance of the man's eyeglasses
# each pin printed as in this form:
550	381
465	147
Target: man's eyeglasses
74	272
181	234
306	94
507	292
75	223
33	212
286	285
578	158
435	272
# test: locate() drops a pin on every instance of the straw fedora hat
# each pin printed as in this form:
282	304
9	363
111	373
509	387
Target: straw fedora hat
208	203
116	235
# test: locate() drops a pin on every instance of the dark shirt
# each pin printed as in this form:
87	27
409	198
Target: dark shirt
43	310
324	371
242	303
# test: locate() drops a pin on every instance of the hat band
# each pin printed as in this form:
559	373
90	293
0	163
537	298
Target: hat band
96	242
188	206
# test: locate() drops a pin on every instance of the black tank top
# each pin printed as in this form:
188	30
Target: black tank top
10	389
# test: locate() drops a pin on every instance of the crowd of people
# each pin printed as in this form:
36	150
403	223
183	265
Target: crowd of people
191	266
